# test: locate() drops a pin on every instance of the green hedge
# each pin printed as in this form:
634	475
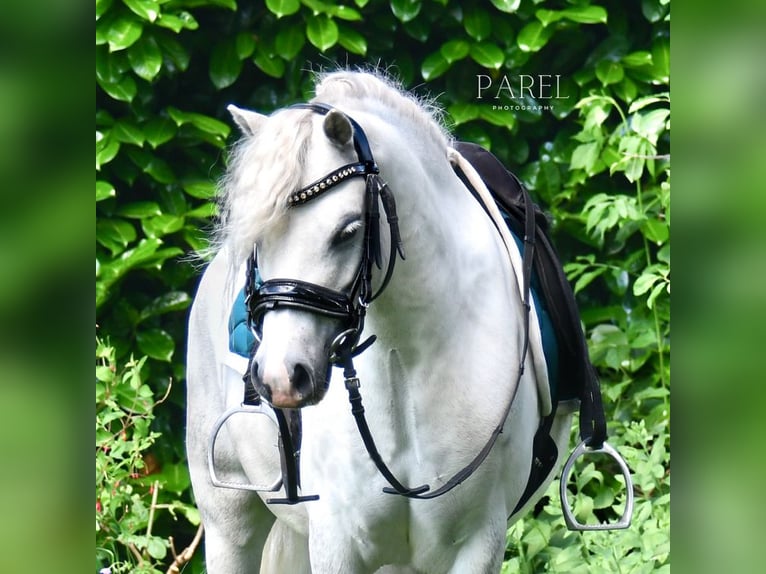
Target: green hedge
597	159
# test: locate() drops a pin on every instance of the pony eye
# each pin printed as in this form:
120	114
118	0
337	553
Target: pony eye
348	232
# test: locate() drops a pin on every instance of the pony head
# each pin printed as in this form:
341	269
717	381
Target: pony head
304	249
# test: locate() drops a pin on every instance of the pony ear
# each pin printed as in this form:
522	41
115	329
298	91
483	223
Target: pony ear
248	121
338	128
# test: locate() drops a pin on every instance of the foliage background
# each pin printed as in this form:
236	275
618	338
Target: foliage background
598	163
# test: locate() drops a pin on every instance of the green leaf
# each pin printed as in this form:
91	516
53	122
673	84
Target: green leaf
127	132
322	32
152	165
586	14
656	230
106	148
166	303
609	72
645	282
637	59
533	37
146	9
661	59
102	7
104	190
506	5
178	21
290	40
585	156
487	55
406	10
283	7
497	116
145	58
204	211
352	40
162	225
159	130
346	13
271	64
548	17
455	50
245	45
201	189
434	66
115	234
156	343
123	33
175	53
477	23
140	209
225	64
463	112
204	123
124	90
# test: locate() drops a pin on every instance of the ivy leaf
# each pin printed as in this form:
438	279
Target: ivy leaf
477	23
289	41
123	33
455	50
352	40
405	10
533	37
506	5
225	64
283	7
322	32
434	66
156	343
487	55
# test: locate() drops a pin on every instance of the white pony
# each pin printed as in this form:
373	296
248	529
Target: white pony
436	382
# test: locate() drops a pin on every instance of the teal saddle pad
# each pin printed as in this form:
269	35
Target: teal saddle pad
241	340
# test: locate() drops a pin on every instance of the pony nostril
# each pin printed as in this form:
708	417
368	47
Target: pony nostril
258	386
302	381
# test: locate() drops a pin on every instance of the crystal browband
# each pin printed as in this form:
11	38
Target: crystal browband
327	182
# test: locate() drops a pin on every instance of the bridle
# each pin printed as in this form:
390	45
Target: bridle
350	305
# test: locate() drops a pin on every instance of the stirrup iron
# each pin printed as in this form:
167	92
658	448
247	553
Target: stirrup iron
244	409
571	522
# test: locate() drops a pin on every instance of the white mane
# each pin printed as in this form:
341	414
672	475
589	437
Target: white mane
264	169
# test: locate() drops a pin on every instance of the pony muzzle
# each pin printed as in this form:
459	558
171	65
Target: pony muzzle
287	385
